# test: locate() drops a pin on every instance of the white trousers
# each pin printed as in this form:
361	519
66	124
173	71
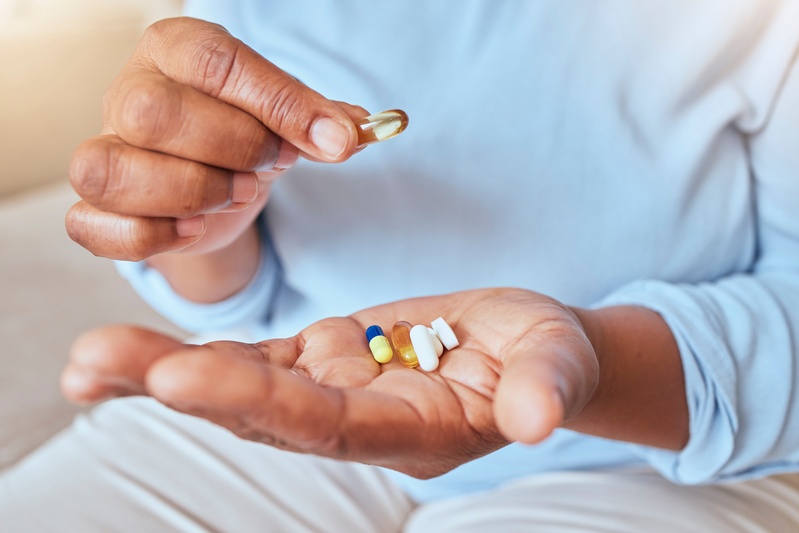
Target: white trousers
133	465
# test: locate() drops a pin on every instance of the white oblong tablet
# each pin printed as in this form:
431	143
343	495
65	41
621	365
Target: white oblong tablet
445	333
436	342
424	348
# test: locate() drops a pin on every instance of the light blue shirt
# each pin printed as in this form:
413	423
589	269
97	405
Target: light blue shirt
601	153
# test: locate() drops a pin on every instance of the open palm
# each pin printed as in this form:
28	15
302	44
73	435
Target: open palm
523	365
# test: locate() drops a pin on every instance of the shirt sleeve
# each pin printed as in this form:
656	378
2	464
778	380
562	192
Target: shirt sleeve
739	336
249	307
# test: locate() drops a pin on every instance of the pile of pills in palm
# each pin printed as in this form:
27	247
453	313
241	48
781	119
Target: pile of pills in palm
415	345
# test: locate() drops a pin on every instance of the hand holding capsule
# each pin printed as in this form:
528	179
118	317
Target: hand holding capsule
196	128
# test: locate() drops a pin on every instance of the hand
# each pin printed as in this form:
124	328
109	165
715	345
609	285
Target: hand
186	123
523	367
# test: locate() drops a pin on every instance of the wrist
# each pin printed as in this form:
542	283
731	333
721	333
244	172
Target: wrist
591	322
213	276
640	396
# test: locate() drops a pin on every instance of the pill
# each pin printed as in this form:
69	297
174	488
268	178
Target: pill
401	339
436	342
381	126
378	344
445	333
424	348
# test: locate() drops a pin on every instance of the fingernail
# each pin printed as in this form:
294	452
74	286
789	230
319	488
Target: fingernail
330	136
245	188
190	227
287	158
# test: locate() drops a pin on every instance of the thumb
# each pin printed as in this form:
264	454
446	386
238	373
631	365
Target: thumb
544	383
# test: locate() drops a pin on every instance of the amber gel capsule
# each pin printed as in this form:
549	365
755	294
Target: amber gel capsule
381	126
401	338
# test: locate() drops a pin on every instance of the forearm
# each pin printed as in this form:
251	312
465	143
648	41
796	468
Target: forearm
640	396
215	276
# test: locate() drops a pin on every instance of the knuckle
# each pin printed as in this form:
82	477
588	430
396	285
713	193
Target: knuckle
90	170
283	107
146	111
157	30
197	195
75	226
153	30
86	229
115	237
160	29
218	62
136	240
260	148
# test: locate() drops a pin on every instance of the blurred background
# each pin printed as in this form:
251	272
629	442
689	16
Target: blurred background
56	59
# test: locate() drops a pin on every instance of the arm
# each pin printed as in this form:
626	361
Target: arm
723	343
640	396
215	276
520	352
656	364
736	336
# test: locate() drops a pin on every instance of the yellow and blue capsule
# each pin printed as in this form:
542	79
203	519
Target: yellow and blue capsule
378	343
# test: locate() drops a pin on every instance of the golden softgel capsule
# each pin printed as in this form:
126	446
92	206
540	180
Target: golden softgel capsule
381	126
401	339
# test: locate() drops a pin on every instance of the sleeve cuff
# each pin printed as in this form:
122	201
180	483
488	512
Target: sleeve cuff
246	308
713	421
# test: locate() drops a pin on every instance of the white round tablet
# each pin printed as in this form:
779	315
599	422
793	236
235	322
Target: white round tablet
424	348
436	342
445	333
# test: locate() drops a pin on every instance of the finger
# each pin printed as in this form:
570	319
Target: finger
272	405
224	228
114	360
151	111
114	176
546	380
355	113
205	57
130	238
